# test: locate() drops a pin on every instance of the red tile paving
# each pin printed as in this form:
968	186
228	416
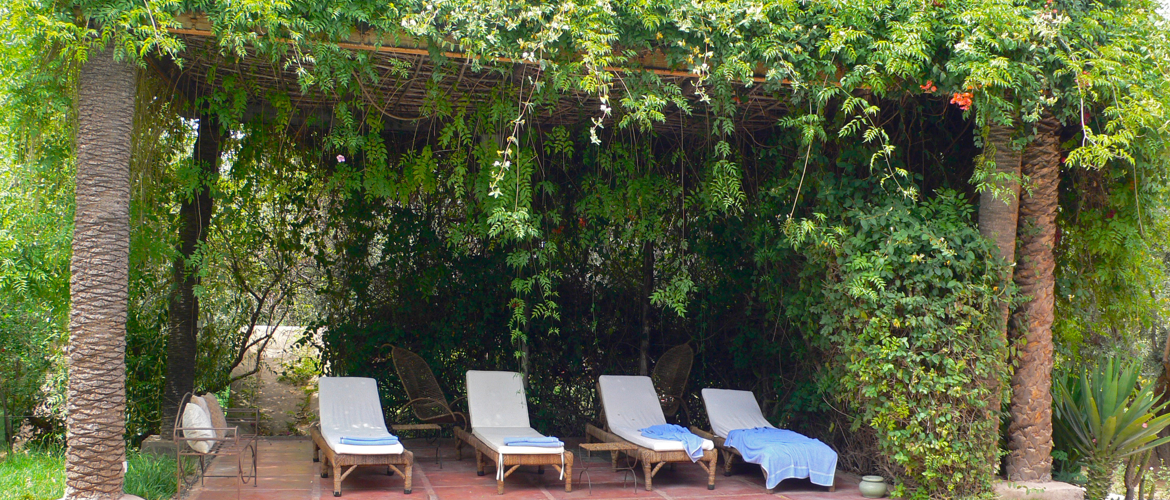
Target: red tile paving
287	472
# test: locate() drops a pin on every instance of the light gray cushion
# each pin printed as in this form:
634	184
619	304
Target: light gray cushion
195	416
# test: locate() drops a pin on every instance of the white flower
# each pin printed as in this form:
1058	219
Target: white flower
340	159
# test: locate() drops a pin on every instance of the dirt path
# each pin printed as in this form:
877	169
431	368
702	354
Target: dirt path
285	388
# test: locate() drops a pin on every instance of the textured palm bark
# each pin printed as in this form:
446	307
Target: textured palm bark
998	210
999	204
98	288
1030	433
183	317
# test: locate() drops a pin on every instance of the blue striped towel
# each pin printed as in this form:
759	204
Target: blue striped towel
387	440
539	442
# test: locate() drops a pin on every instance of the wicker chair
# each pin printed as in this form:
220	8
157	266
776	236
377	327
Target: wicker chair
426	398
670	379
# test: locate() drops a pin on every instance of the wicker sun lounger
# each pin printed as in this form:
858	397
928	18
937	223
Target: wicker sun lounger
350	407
728	410
629	404
499	410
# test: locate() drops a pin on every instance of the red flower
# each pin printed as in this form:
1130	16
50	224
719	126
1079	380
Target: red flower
581	221
929	87
963	99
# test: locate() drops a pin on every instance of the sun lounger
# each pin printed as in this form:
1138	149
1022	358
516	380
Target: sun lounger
630	404
351	412
782	454
498	412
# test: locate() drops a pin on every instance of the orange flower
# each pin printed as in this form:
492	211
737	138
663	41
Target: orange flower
963	99
929	87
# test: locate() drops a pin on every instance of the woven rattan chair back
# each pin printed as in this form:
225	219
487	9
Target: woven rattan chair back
426	398
670	377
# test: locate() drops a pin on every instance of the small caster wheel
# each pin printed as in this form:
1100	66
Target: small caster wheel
315	459
406	491
710	486
727	474
336	493
324	474
479	473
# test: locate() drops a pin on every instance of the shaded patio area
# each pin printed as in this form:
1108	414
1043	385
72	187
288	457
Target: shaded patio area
287	472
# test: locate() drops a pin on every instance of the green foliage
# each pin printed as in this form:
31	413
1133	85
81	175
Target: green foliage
1103	415
477	230
905	299
40	475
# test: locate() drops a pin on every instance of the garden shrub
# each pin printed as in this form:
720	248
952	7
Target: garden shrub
905	296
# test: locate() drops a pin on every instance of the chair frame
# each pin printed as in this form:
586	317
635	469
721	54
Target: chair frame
333	462
674	401
450	416
652	461
233	443
512	462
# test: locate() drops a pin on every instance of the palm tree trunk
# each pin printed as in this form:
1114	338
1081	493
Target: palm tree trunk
1030	433
183	316
999	204
998	210
100	266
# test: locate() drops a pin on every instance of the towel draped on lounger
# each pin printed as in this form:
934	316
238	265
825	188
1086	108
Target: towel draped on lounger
691	443
387	440
540	442
785	454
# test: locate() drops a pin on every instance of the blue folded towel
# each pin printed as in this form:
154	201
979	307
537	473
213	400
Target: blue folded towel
386	440
691	443
539	442
785	454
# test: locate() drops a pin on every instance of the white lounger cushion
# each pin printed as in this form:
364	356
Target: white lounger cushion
498	410
631	404
350	407
496	399
729	410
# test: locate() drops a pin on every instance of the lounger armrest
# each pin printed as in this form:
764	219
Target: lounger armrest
453	414
708	435
702	433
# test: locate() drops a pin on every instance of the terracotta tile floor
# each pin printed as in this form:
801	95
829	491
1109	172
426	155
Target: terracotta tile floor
287	472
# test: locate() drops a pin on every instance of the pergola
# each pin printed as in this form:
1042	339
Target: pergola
105	121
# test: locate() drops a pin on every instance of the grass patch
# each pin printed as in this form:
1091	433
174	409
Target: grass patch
40	475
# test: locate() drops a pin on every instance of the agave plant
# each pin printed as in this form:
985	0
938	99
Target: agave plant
1105	416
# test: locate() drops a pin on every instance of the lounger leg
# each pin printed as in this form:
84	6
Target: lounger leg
711	471
501	475
478	463
649	473
409	473
316	452
336	479
727	462
568	472
540	469
613	458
